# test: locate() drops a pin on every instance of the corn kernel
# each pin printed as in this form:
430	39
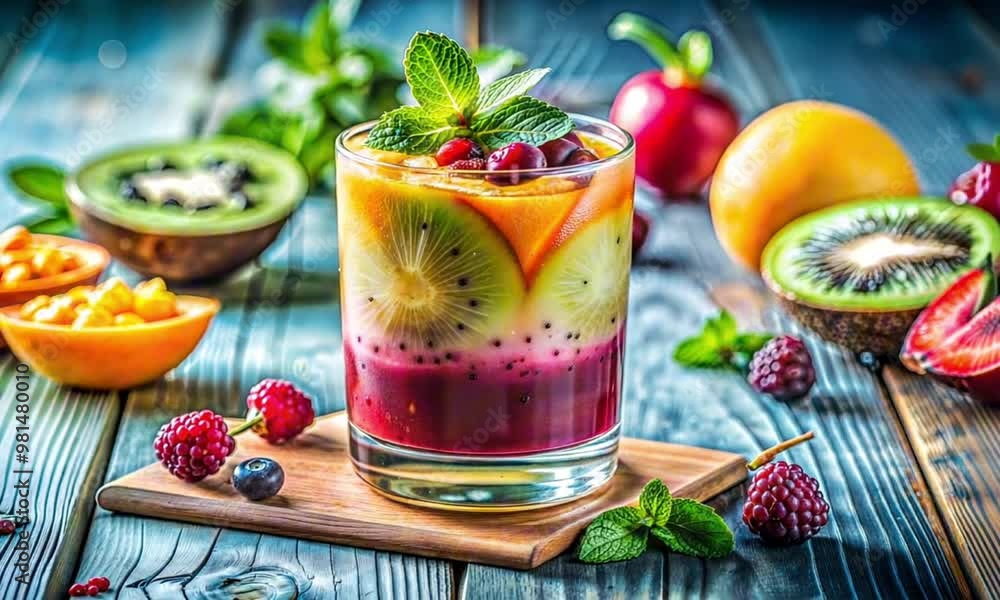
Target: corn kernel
112	295
93	316
15	238
47	262
11	257
29	308
80	294
129	319
16	273
156	306
54	314
151	286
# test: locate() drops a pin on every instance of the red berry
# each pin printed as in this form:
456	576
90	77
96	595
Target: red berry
514	157
782	368
93	590
784	505
979	186
286	409
471	164
7	527
558	150
77	589
102	583
580	156
456	150
640	230
194	445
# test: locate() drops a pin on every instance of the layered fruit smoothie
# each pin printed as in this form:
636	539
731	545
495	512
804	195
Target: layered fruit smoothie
485	244
482	318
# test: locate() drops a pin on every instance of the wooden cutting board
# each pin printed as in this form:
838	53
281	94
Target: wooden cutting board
324	500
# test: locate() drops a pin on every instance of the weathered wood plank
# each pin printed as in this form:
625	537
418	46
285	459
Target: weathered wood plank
58	100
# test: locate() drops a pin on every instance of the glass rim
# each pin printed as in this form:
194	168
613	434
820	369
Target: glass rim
626	151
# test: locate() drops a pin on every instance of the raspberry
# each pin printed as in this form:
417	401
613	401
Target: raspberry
7	527
782	368
278	411
470	164
784	505
194	445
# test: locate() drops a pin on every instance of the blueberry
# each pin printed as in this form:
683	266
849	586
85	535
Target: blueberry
258	478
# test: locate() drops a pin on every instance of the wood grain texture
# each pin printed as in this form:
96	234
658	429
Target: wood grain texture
954	439
324	500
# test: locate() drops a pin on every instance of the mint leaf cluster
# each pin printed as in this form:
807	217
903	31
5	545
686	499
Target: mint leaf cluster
683	525
445	82
720	345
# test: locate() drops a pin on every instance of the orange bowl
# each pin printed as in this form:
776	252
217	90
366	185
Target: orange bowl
93	260
109	358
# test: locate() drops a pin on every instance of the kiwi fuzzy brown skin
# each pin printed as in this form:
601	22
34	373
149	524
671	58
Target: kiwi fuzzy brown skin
879	332
176	258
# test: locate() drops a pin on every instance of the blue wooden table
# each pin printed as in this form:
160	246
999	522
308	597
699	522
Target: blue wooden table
911	468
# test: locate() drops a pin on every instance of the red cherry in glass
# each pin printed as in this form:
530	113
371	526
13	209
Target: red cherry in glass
558	150
456	150
511	159
681	125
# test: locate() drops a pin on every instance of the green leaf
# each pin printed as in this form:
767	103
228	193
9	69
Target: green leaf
520	119
722	328
413	130
342	13
318	37
695	529
983	152
699	353
494	62
617	534
285	44
54	225
40	182
503	90
750	342
257	121
656	501
441	74
695	48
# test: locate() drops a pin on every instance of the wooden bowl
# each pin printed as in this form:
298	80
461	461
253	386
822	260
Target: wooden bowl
109	358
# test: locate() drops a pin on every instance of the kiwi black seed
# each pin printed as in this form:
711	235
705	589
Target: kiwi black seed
860	273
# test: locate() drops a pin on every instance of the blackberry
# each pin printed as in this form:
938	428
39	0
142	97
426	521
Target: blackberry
785	505
783	368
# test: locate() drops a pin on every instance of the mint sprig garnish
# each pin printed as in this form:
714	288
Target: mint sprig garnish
683	525
446	84
720	345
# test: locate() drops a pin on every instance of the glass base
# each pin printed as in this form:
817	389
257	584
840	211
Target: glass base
484	483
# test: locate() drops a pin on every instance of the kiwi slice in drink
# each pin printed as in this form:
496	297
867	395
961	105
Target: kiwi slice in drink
859	273
580	294
432	277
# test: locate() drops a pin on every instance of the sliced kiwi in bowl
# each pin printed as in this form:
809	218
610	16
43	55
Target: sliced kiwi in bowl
859	274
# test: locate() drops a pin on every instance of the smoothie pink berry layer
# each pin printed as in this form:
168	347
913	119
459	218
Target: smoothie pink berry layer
500	401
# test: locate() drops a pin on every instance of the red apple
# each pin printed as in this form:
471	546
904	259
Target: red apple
680	124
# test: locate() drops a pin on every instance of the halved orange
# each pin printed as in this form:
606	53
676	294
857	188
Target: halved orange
109	358
93	260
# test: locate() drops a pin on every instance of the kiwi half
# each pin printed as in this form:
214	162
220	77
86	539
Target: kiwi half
859	274
581	291
436	277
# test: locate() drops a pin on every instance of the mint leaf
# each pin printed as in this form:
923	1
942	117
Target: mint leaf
503	90
319	37
656	501
984	152
441	74
40	182
520	119
413	130
285	44
750	342
695	529
699	353
55	225
722	328
720	345
617	534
